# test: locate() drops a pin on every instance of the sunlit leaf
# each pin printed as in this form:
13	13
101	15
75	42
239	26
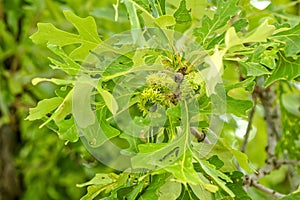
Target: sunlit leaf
56	81
254	69
67	130
88	35
170	190
182	15
69	65
217	176
225	10
287	69
291	38
81	107
238	107
44	107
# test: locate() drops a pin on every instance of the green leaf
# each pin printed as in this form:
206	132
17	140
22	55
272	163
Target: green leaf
135	192
99	179
291	38
241	157
170	190
137	35
182	14
291	102
237	185
231	38
204	151
100	131
216	161
225	10
217	176
204	193
86	27
44	107
183	170
56	81
187	194
155	155
260	34
244	84
102	182
165	21
67	130
69	66
286	69
119	65
151	192
197	8
214	71
81	107
254	69
64	109
109	100
290	133
93	191
238	107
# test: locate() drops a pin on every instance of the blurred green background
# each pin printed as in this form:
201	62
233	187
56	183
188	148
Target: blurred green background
34	163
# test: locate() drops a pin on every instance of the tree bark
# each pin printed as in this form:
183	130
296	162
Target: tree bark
9	184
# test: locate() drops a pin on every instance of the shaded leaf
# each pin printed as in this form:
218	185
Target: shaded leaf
237	186
214	160
136	190
151	192
187	194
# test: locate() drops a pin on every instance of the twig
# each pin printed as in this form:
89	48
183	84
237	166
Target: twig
267	190
267	98
249	126
288	162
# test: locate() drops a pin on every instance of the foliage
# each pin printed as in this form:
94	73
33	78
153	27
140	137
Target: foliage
146	111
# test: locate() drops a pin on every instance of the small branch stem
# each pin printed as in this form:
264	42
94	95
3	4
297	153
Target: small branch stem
246	137
267	98
267	190
288	162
